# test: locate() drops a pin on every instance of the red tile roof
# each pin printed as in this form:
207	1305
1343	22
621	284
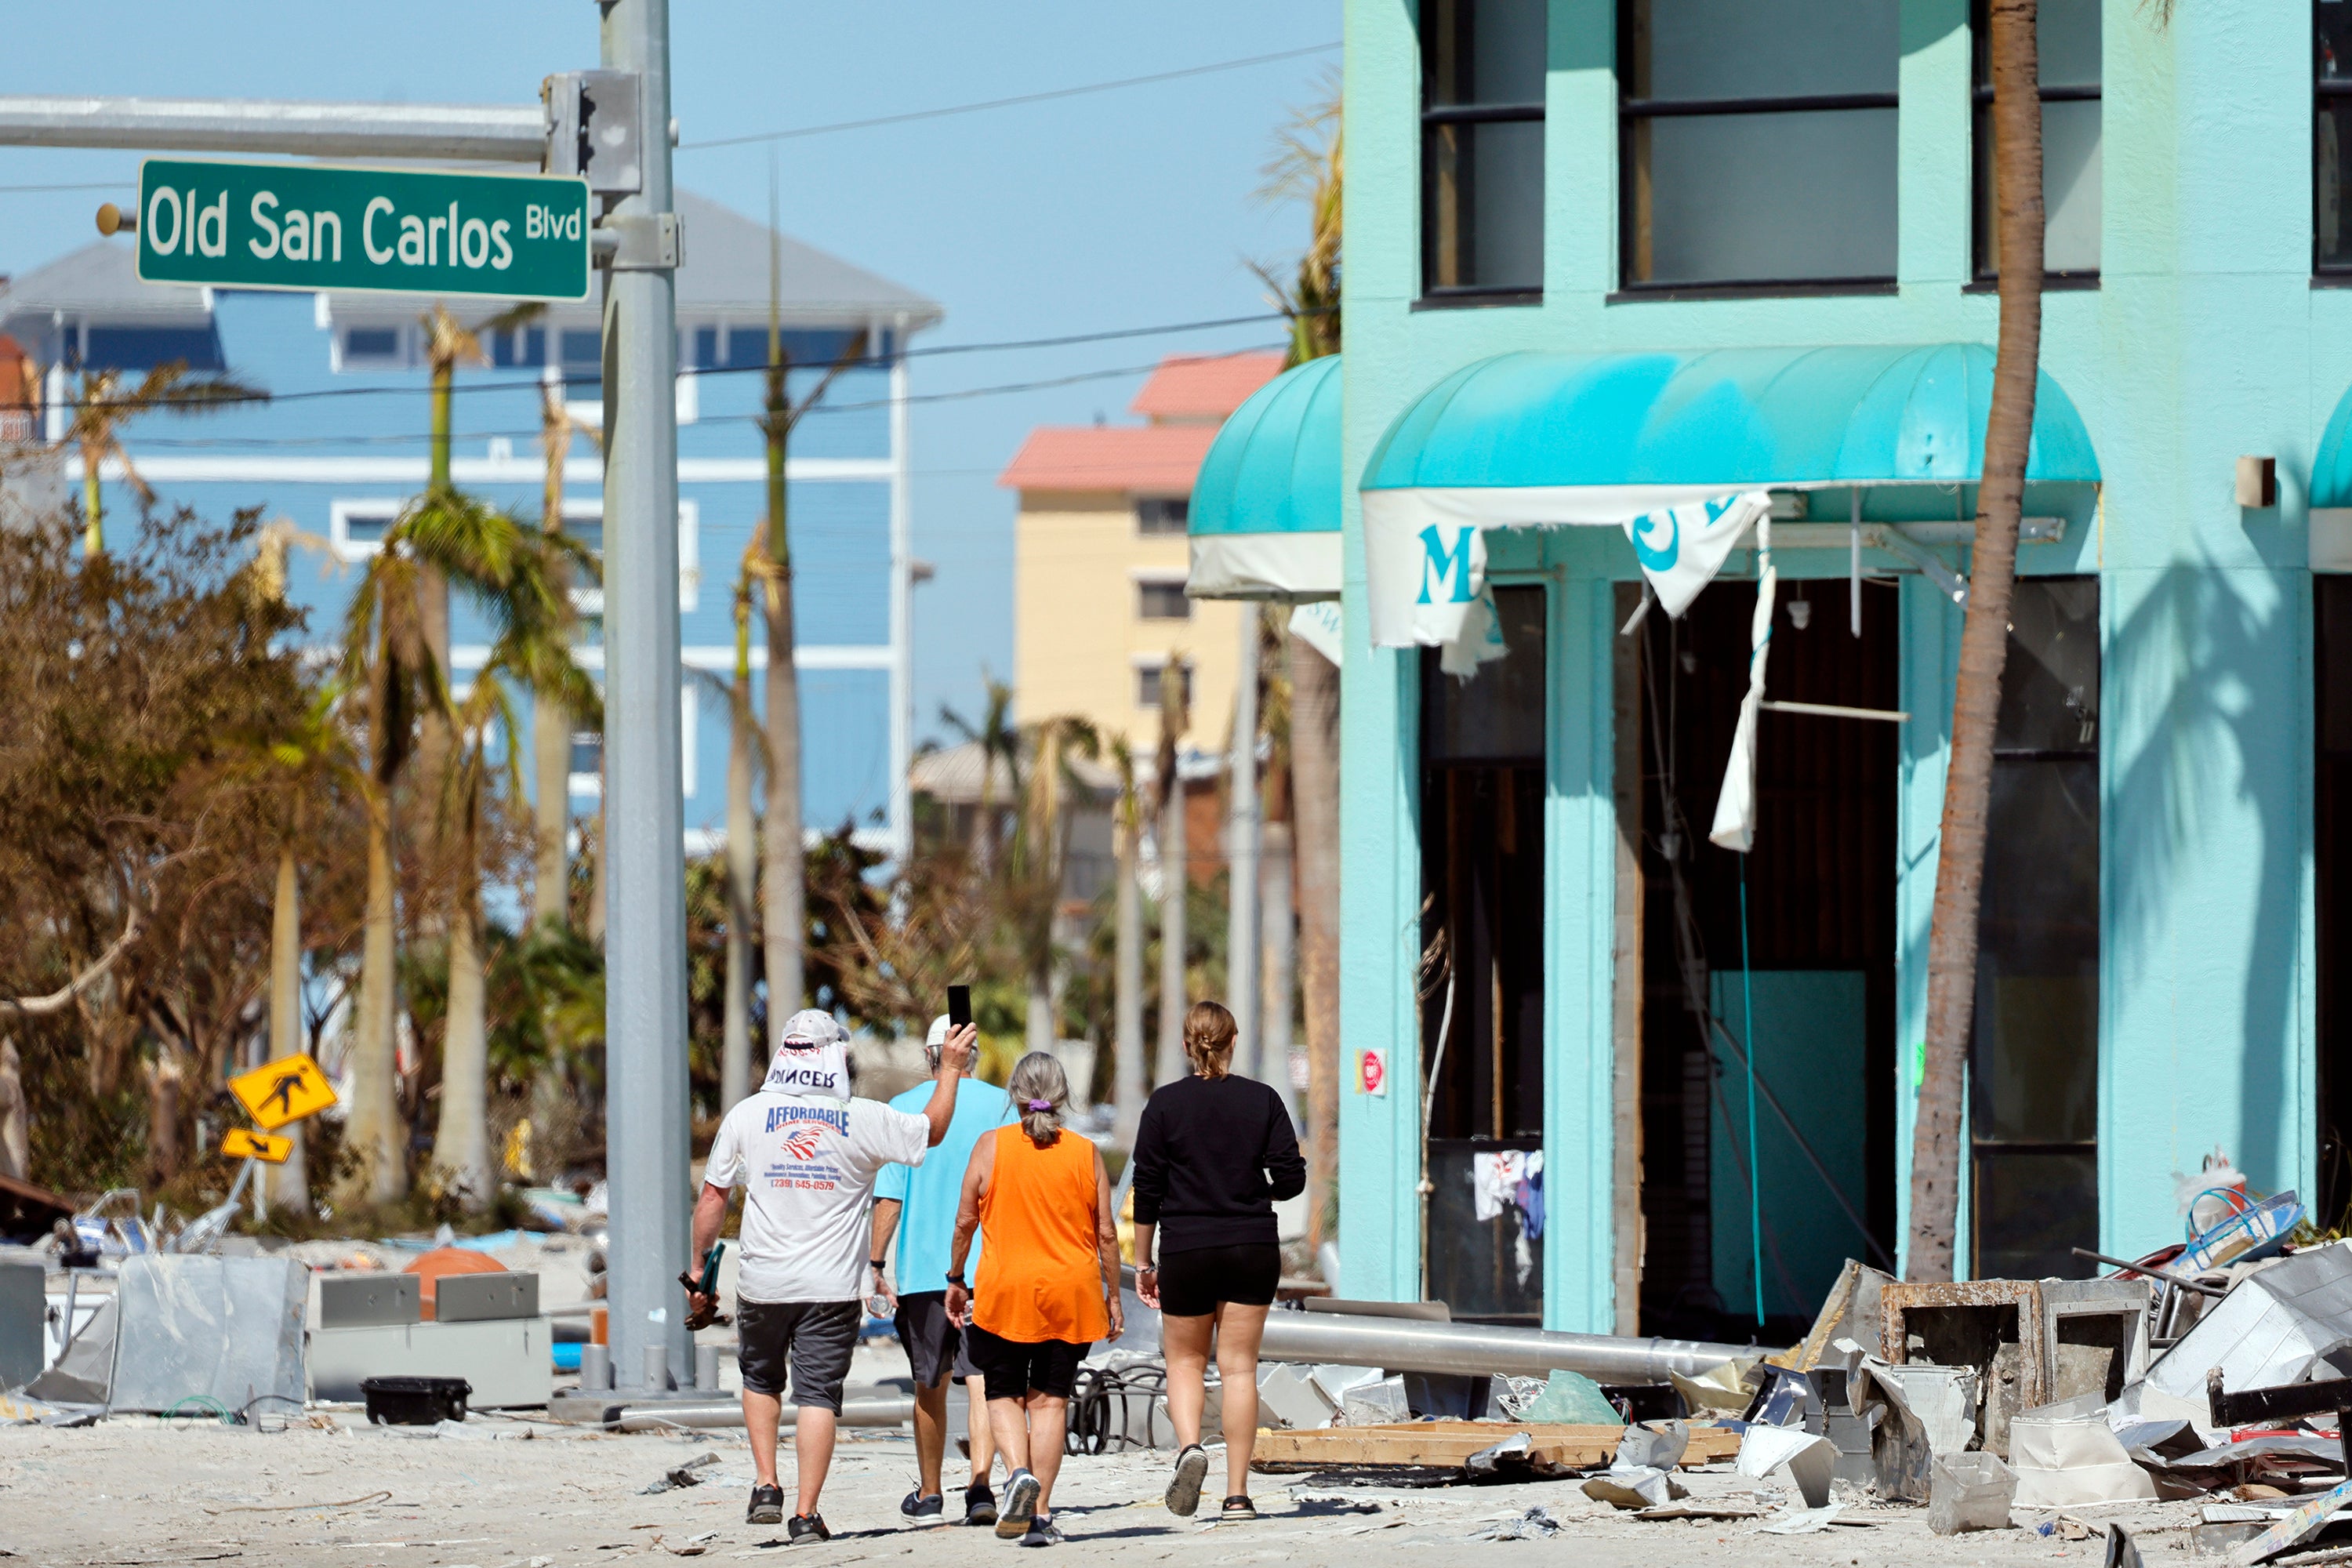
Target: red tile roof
1160	459
1205	386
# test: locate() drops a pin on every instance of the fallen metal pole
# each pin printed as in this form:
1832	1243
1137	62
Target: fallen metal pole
478	133
1400	1344
730	1413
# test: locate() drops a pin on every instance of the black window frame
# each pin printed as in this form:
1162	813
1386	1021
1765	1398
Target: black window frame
1631	112
1984	278
1162	517
2325	91
1435	119
1150	589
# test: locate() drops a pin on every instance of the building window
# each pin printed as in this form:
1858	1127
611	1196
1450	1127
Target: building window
355	529
587	753
1759	141
2034	1076
582	351
1482	153
1163	514
1163	602
2067	39
2331	164
1146	685
523	347
372	348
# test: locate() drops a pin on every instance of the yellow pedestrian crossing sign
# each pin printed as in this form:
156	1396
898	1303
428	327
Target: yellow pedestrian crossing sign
283	1091
243	1144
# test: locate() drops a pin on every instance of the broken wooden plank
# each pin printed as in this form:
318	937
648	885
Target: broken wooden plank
1450	1443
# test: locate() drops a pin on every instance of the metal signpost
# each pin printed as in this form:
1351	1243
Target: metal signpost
611	129
319	226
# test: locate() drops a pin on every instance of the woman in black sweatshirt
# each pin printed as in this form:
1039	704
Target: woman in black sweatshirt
1212	1154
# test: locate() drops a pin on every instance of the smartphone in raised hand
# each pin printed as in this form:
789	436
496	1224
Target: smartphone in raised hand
958	1006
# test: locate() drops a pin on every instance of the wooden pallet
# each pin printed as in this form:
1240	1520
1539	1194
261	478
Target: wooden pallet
1449	1443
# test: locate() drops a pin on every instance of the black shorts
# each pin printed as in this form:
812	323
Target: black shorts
1194	1281
814	1339
1015	1367
935	1344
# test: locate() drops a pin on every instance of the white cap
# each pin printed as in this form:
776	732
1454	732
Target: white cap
939	1034
810	1026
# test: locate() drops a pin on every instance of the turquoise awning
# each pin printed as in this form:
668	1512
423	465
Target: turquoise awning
2331	470
1546	439
1719	420
1264	520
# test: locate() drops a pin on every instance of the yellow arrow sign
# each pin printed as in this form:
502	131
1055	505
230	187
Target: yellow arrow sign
240	1143
285	1091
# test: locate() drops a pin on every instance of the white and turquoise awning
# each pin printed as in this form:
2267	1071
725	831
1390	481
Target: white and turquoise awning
1677	448
1265	509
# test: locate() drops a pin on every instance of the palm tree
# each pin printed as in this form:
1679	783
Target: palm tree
1984	641
1128	1084
550	725
1308	165
1174	872
999	742
102	404
518	574
1034	859
785	916
744	748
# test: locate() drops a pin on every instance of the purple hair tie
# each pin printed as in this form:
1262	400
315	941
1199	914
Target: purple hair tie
1041	1105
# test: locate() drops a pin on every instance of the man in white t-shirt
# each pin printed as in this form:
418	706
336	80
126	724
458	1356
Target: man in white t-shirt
807	1155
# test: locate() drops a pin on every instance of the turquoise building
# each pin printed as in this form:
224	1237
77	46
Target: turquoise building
1604	260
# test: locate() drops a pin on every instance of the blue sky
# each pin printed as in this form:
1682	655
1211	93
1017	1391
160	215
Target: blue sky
1128	209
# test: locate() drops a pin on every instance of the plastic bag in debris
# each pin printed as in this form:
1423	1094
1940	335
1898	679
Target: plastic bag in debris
1968	1491
1510	1397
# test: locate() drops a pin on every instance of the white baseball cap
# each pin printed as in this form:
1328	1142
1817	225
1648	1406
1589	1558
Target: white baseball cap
810	1026
939	1034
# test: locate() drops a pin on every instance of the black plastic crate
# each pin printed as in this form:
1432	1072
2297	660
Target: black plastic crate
414	1401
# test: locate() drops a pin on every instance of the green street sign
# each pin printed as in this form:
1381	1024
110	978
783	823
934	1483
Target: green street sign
333	226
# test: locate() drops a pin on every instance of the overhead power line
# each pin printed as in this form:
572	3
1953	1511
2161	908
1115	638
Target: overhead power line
1006	103
77	186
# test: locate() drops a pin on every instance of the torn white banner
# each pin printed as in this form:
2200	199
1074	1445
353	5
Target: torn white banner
1680	549
1735	809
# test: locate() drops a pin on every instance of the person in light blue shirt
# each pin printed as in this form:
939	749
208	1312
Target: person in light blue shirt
917	1205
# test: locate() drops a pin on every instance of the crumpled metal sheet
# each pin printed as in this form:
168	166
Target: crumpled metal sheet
2268	1330
190	1328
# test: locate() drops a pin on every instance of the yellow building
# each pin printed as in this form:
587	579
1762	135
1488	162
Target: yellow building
1100	560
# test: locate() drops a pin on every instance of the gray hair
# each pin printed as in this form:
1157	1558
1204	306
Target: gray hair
1035	1077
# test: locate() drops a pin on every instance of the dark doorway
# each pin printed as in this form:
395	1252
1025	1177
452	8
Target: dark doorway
2332	810
1817	989
2033	1066
1481	982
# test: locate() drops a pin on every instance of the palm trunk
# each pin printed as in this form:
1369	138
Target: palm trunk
1173	875
1315	807
1040	1030
372	1128
735	1051
598	883
93	537
1278	941
284	1185
785	923
1935	1162
550	750
1129	1085
461	1141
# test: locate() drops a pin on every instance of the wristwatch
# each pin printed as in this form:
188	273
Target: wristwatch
958	1279
874	1264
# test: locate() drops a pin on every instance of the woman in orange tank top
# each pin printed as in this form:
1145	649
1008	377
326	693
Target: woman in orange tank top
1048	1284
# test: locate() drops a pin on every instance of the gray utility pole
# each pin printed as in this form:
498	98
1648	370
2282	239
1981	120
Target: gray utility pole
645	910
1241	860
614	129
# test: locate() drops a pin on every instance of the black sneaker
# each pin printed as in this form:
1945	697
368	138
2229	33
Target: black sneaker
767	1506
923	1510
1041	1533
807	1527
1185	1488
978	1503
1020	1506
1239	1509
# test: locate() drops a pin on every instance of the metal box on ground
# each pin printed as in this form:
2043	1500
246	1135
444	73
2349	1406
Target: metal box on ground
228	1331
366	1300
480	1298
508	1361
23	1323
